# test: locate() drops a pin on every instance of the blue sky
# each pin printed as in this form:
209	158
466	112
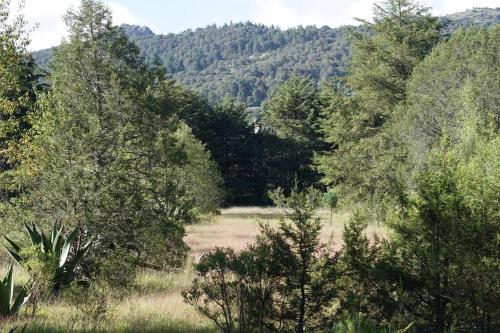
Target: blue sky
165	16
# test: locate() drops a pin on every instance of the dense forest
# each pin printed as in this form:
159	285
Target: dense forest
247	61
108	162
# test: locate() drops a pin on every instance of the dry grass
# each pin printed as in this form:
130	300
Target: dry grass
155	304
237	227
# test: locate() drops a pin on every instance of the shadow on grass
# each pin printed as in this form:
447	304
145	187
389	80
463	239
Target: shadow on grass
181	328
254	216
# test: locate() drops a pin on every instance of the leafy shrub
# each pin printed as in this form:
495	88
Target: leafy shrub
330	199
439	268
91	303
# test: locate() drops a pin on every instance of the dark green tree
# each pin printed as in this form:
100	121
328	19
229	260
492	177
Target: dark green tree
284	282
453	94
292	113
439	268
230	137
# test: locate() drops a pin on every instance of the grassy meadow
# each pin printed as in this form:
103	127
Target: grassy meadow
155	303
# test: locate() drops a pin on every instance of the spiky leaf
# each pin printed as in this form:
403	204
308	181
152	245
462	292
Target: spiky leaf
56	242
16	247
67	247
6	291
45	245
35	236
14	255
21	299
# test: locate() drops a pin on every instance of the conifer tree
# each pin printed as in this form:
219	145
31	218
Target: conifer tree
365	132
292	113
106	155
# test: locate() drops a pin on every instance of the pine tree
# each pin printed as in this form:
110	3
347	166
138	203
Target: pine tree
362	122
292	113
453	94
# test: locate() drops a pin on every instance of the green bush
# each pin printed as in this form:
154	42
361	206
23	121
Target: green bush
439	268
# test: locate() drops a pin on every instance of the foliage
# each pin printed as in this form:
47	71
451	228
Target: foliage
453	94
367	157
8	305
112	163
18	88
330	199
91	303
358	324
293	113
282	283
231	140
432	271
121	154
199	177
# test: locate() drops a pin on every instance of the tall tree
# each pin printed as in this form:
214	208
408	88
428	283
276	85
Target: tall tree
454	94
106	152
366	137
439	268
233	145
292	113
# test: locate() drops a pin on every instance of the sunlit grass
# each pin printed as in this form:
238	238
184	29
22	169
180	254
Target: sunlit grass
154	304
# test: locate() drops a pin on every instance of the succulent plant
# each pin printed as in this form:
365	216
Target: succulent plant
8	305
54	246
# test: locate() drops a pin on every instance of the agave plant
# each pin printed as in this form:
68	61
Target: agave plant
53	246
182	212
9	306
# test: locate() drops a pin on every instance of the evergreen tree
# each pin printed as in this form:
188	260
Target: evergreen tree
293	114
453	94
293	111
439	268
366	136
233	146
106	153
284	282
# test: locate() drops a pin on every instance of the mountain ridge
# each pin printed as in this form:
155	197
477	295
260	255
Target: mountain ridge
248	60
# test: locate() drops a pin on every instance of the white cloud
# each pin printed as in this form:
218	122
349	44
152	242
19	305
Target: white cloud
51	28
121	14
442	7
289	13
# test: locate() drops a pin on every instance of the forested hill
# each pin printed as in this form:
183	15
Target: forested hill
247	60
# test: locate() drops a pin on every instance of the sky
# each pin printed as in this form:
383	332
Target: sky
172	16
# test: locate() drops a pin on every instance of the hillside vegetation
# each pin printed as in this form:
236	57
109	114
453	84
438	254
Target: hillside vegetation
247	60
